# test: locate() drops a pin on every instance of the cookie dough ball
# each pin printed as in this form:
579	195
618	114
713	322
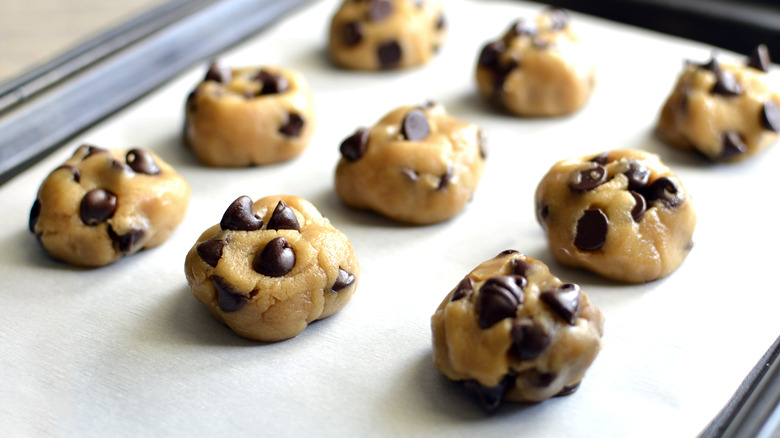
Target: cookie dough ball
724	111
417	165
512	331
386	34
621	214
249	116
538	68
271	267
103	204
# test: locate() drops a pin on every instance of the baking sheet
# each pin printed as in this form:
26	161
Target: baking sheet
126	350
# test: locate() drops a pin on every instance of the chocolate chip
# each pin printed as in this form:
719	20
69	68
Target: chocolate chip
559	18
770	116
726	85
602	158
733	145
588	179
192	105
638	175
591	230
712	66
97	206
500	73
499	298
410	174
283	218
759	58
211	251
228	299
507	252
464	289
241	216
218	73
528	339
523	27
542	211
665	190
441	22
89	150
568	390
271	83
565	299
444	181
378	10
489	397
354	147
491	53
351	34
343	280
126	243
482	143
415	127
141	161
73	170
293	126
540	379
521	267
35	213
389	54
276	259
640	206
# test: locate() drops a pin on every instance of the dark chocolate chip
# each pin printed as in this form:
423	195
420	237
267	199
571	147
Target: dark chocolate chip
293	126
218	73
89	150
241	216
389	54
126	243
521	267
141	161
228	299
569	389
565	299
665	190
73	170
770	116
276	259
35	213
415	127
354	147
410	174
271	83
591	230
558	17
759	58
441	22
640	206
192	105
726	85
733	145
211	251
507	252
489	397
499	298
97	206
523	27
378	10
500	73
588	179
464	289
482	143
444	181
712	65
491	53
343	281
283	218
540	379
602	158
529	340
352	34
638	175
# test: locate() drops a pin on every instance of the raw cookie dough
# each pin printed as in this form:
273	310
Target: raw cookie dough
725	111
386	34
103	204
621	214
538	68
417	165
512	331
270	268
249	116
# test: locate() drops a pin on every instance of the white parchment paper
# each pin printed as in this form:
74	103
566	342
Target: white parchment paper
125	350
